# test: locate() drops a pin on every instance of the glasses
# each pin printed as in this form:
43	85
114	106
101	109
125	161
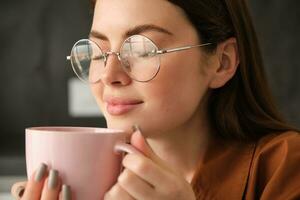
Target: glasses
139	57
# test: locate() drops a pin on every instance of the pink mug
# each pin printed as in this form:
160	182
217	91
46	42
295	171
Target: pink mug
85	158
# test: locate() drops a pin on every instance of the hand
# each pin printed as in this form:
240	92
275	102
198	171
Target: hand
42	185
147	177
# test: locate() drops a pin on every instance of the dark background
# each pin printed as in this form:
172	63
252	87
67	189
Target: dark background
36	36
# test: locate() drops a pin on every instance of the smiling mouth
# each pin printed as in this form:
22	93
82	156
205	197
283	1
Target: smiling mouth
120	107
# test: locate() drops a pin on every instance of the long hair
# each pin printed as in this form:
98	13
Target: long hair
243	109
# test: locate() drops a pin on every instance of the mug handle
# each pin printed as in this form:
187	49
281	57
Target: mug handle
121	147
124	148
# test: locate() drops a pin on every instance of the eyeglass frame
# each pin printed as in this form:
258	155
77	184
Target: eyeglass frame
118	54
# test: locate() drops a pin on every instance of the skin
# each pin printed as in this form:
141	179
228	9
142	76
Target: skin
172	134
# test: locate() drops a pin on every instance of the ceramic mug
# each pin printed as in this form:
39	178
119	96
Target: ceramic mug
85	157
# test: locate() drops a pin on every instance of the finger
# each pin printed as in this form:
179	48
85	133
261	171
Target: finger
65	193
51	186
145	168
117	193
35	185
140	142
135	186
17	190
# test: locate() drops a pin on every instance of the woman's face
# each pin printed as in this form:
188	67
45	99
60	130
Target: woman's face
174	97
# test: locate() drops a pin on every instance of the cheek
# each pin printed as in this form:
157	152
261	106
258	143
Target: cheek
181	77
176	93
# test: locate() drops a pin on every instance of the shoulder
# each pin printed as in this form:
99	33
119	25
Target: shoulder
277	151
275	166
279	140
278	145
278	148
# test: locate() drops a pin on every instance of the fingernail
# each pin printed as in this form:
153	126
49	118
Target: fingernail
136	128
66	192
40	172
20	191
52	181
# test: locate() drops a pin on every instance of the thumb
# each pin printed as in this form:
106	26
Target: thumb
141	144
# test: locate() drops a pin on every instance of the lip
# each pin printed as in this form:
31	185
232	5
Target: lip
120	106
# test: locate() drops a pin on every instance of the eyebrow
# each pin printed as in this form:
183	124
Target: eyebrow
133	31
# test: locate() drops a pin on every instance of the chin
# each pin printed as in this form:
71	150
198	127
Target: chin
126	124
120	124
148	129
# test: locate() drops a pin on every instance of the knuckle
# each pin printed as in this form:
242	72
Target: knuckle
128	158
136	163
125	178
107	196
142	166
113	193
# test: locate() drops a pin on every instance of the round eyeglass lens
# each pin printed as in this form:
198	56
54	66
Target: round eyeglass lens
87	60
139	58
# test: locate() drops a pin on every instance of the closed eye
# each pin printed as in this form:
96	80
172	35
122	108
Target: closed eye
98	57
147	54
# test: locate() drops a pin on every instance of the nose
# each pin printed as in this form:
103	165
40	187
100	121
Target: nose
113	72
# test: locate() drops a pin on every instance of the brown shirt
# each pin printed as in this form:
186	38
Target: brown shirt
266	170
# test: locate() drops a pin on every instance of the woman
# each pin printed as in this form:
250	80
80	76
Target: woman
190	74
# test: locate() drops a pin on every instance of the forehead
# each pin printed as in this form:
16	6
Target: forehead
112	16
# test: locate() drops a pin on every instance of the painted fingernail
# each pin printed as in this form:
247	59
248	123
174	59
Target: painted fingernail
20	191
40	172
66	192
136	128
52	181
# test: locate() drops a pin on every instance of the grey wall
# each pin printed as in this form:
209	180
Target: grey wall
278	27
36	35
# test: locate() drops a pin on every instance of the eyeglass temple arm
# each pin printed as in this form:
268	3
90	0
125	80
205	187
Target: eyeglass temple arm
163	51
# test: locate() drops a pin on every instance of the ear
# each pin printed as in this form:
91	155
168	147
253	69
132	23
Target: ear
227	63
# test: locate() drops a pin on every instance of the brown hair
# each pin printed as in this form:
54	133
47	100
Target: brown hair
244	108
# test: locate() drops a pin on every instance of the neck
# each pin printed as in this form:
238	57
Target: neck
184	147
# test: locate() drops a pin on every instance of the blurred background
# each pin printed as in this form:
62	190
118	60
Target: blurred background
38	88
